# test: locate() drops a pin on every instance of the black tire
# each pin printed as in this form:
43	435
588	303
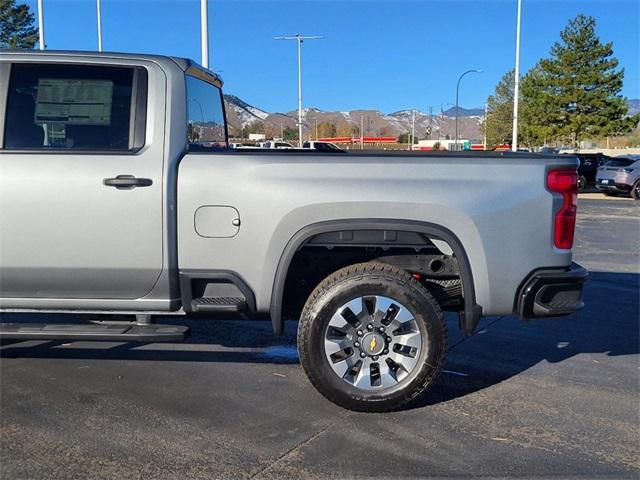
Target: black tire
367	279
635	191
582	183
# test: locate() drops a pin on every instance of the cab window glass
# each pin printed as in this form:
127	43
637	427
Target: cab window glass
69	107
205	115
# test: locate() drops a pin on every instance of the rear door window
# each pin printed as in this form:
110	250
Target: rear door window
205	115
75	107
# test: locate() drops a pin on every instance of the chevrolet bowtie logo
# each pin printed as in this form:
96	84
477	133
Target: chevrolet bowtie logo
372	344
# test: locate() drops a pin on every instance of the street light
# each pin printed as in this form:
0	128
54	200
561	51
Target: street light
204	32
484	120
457	90
41	25
99	19
516	86
299	39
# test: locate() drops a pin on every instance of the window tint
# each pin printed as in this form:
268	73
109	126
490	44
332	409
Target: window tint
69	107
206	126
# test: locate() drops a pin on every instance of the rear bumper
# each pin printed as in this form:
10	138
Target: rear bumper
552	292
613	187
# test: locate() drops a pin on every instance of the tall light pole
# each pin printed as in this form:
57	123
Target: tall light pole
516	84
299	39
41	25
457	91
413	128
204	32
99	18
484	137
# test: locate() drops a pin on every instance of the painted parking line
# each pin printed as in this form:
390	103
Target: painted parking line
602	196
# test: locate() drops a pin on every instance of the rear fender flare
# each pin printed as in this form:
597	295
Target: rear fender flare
469	317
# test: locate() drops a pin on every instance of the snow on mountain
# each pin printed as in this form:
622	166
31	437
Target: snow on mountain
240	113
376	123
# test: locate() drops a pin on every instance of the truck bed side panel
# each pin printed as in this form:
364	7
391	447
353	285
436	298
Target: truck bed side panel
497	207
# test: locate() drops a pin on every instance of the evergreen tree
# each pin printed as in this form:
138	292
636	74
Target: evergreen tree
579	86
17	29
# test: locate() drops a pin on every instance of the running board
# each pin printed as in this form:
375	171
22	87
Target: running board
116	332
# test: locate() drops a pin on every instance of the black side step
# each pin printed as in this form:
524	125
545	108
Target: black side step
218	304
118	332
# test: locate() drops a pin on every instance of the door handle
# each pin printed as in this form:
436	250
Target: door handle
127	182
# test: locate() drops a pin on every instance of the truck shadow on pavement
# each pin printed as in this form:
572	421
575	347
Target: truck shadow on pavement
506	346
502	348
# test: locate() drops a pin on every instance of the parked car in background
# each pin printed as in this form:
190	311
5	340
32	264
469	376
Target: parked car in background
237	146
277	144
322	146
589	164
620	175
548	150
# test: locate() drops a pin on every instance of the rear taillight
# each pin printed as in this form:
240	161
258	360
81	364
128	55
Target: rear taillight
564	182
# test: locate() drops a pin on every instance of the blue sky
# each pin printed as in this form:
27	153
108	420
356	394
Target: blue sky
385	55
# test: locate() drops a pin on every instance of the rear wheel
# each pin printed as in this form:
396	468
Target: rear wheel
371	338
582	183
635	191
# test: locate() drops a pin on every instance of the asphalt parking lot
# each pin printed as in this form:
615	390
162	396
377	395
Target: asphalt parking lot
549	398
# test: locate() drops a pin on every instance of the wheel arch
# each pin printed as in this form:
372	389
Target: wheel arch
469	316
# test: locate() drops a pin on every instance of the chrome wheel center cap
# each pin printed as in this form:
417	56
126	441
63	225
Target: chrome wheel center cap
373	344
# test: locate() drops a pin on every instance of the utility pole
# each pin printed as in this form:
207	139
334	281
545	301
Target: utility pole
299	39
204	32
99	25
361	132
516	86
430	121
41	25
316	129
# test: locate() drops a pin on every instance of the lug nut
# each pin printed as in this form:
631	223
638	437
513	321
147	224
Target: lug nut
370	326
359	332
385	351
381	329
375	358
356	344
388	339
362	354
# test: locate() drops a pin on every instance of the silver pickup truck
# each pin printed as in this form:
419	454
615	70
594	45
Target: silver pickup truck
118	195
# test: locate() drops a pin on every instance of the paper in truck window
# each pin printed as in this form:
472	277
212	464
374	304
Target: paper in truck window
74	101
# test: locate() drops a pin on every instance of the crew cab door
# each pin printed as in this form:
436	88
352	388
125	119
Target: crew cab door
80	183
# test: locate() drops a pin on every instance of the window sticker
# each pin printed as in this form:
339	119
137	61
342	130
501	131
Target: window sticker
74	101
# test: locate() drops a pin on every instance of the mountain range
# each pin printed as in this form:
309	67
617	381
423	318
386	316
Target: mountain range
241	114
